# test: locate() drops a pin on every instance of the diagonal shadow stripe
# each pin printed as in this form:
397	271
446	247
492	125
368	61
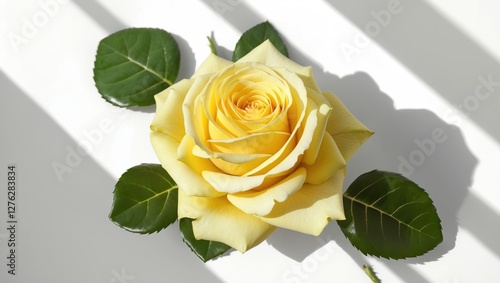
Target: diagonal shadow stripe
242	23
66	222
437	52
476	215
243	17
111	24
103	17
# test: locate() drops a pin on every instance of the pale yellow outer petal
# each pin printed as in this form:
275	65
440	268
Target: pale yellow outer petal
216	219
347	131
310	82
194	117
166	136
188	180
197	165
329	161
212	64
268	55
311	208
312	152
261	203
169	118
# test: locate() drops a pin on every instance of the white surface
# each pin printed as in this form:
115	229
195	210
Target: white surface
416	74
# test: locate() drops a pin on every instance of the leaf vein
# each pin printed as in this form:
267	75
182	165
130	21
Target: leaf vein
139	63
377	209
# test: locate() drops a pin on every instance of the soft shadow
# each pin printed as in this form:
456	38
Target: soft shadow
101	15
303	244
415	143
477	218
445	173
403	270
65	222
438	52
188	60
445	170
143	109
455	66
221	51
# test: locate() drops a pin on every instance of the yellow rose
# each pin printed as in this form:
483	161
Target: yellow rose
254	145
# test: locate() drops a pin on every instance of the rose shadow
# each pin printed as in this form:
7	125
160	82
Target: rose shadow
445	173
396	131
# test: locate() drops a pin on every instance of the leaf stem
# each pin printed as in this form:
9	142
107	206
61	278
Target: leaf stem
211	43
369	271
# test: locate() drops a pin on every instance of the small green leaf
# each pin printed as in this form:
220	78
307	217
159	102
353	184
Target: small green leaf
132	65
254	37
389	216
145	199
205	250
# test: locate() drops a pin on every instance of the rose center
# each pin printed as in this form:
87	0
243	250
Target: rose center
253	106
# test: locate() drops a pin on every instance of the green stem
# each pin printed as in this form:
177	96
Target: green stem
211	43
369	271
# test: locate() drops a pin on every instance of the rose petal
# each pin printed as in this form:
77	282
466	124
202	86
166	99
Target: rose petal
212	64
347	131
262	202
169	110
232	151
233	158
310	82
268	55
323	114
216	219
188	180
240	89
329	161
234	184
230	184
197	164
311	208
263	143
238	169
195	119
291	159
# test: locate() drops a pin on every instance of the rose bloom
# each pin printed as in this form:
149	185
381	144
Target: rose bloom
254	145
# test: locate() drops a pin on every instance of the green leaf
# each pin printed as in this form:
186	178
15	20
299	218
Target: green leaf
132	65
389	216
145	199
254	37
205	250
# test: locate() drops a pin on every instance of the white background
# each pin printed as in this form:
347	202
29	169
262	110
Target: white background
405	76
